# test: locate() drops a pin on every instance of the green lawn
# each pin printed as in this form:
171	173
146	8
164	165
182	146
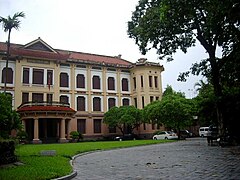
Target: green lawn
48	167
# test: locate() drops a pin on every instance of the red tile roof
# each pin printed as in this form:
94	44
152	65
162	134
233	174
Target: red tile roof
99	58
45	108
17	49
38	54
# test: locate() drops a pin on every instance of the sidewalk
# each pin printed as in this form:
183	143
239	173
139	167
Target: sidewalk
189	159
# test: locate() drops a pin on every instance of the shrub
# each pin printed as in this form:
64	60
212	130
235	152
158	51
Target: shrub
74	135
7	148
22	136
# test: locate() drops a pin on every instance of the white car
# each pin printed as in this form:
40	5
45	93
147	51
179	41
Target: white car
165	135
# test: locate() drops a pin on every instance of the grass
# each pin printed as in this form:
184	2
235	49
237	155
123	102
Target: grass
49	167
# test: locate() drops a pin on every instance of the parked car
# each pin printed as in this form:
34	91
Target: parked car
203	131
185	134
165	135
126	137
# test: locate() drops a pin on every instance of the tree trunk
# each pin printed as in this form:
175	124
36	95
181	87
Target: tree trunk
8	54
218	93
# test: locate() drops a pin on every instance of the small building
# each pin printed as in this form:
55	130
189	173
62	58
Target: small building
58	91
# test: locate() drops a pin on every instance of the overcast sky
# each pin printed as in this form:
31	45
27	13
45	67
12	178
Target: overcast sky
93	26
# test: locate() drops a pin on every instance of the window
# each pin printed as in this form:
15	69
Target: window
141	81
81	103
25	76
80	81
49	98
144	126
9	75
142	101
111	83
135	102
38	76
64	99
151	99
124	84
150	81
96	82
96	104
125	102
25	97
134	83
111	102
157	98
37	97
81	126
156	81
63	80
97	125
50	77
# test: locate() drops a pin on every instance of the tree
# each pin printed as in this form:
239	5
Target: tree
174	110
206	102
168	25
8	24
123	117
9	118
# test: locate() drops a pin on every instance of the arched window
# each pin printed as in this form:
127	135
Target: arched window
9	75
64	99
124	84
96	82
134	83
125	102
64	80
96	104
111	83
111	103
80	81
81	103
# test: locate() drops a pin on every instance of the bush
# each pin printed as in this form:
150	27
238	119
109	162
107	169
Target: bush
7	148
74	135
22	136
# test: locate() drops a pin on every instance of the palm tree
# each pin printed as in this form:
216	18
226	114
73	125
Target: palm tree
9	23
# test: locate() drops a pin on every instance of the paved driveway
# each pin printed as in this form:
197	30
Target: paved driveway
189	159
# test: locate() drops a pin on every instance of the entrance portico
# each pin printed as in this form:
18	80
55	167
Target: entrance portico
47	122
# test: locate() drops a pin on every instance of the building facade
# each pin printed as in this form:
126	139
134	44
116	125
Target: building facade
59	91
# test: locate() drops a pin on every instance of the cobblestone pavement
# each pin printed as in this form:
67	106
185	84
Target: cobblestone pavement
189	159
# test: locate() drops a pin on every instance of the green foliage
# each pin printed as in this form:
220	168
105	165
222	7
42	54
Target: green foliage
9	118
74	134
169	25
206	102
43	167
22	135
7	152
124	116
174	110
12	22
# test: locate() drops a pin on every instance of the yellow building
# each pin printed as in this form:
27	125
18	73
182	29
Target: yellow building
59	91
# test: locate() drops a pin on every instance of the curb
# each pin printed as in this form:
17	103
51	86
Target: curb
74	173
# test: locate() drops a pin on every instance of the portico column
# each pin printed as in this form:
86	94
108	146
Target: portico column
36	139
24	125
68	129
62	131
